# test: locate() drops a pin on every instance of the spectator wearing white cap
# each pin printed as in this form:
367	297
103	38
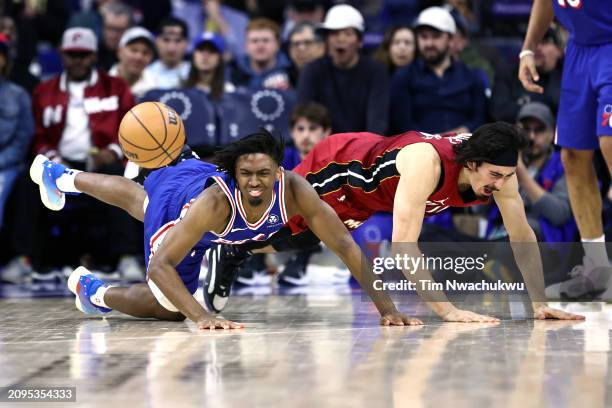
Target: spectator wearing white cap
135	52
353	88
436	94
76	118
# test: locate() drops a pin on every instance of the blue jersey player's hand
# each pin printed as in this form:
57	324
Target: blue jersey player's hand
211	322
528	74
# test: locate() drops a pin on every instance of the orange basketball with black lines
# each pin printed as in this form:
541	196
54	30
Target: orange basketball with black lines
151	135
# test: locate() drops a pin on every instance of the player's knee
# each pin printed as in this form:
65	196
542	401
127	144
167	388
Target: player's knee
576	161
605	143
345	244
163	302
163	314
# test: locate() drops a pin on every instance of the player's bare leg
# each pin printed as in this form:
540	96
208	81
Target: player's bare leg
605	144
94	296
56	180
114	190
138	301
583	191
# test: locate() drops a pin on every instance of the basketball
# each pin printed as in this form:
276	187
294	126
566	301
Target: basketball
151	135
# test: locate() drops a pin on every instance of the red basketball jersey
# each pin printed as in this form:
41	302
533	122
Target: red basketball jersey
355	173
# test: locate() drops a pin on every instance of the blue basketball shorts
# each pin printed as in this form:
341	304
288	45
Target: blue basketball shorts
163	210
585	106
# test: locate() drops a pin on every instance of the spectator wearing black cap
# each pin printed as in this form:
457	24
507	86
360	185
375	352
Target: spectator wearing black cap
16	126
207	71
304	46
352	87
508	92
135	53
541	180
302	11
436	94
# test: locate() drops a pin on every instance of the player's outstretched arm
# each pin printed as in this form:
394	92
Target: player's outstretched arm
419	167
208	213
303	200
542	14
526	250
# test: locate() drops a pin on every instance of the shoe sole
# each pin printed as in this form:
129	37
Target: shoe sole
73	281
36	170
254	281
209	281
291	281
75	277
555	293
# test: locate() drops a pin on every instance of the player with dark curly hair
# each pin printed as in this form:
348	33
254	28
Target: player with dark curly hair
192	206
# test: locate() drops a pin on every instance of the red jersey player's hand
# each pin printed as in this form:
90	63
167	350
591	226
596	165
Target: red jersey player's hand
465	316
399	319
528	74
545	312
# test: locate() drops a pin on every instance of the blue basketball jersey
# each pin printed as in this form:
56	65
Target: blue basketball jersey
172	190
588	21
239	230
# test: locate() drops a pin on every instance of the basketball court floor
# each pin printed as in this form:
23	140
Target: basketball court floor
322	347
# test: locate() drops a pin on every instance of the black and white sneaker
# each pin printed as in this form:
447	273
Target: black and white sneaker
254	272
294	273
223	263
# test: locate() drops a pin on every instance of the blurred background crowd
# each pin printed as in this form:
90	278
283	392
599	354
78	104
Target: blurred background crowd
306	69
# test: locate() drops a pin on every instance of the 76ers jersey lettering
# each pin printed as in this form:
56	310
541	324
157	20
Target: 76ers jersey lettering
172	190
588	21
239	230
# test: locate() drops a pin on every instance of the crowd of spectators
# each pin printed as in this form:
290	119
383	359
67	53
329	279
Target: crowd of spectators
71	68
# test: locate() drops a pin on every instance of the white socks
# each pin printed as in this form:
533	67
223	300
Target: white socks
98	297
65	182
595	250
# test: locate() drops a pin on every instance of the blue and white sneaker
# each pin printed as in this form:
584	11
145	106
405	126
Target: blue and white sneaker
84	284
44	173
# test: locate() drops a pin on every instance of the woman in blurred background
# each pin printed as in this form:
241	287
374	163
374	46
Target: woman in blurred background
207	70
398	48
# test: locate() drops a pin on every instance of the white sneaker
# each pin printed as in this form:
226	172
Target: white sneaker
44	173
16	271
263	278
586	280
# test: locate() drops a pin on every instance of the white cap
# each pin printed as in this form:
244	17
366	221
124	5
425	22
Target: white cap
136	33
438	18
342	16
79	39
